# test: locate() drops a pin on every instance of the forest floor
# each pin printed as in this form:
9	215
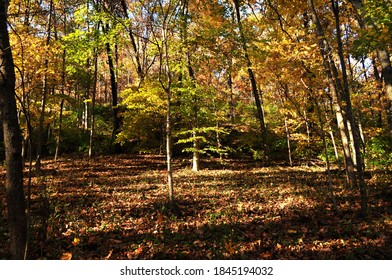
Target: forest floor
115	207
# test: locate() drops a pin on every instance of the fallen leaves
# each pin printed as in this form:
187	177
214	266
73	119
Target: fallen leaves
66	256
229	247
266	255
230	212
139	250
159	218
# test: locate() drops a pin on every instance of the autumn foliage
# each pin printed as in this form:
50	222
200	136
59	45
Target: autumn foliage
275	119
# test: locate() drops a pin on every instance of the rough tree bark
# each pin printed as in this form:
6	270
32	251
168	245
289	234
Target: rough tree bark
12	143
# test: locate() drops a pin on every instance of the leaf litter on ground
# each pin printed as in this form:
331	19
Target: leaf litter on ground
116	207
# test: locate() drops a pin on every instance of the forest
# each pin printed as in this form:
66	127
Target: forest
204	129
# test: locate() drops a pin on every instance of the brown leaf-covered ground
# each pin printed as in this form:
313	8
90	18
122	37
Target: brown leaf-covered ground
115	207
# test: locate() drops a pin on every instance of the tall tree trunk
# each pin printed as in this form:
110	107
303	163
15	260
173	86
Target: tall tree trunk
169	147
115	109
92	122
196	152
40	136
335	88
288	140
63	80
252	78
335	148
218	137
231	93
12	143
195	121
352	148
356	139
385	61
165	79
86	108
58	140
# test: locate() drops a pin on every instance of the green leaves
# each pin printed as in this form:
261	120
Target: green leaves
206	138
377	33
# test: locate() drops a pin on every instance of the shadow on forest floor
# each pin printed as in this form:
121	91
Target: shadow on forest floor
115	207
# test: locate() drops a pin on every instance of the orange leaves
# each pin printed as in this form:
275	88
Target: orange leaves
266	255
229	247
66	256
137	253
159	218
139	250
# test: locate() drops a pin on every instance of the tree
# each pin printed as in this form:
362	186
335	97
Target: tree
338	84
13	144
166	12
330	69
193	84
114	88
376	20
252	78
45	89
346	98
